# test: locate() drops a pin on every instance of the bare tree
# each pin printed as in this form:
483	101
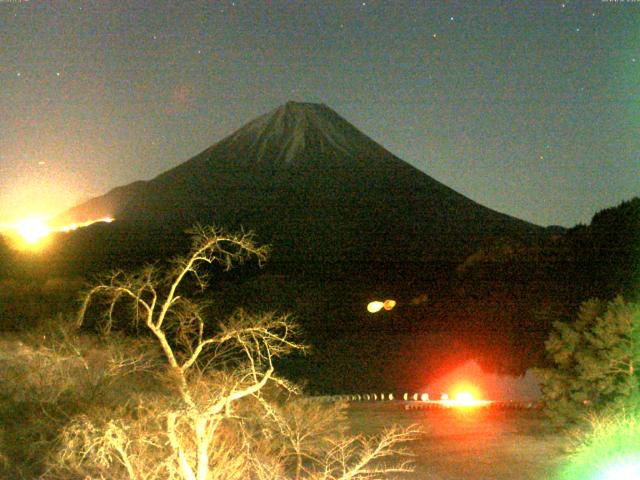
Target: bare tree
315	447
210	427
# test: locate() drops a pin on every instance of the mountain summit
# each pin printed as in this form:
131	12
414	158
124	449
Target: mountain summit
314	187
295	130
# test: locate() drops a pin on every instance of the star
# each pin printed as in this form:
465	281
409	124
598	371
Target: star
451	19
435	35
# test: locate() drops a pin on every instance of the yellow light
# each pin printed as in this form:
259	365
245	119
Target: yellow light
465	398
31	233
464	395
375	306
32	230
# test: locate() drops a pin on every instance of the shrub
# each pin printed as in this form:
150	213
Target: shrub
52	374
595	361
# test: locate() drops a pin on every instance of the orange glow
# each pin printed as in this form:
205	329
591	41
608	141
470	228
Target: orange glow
466	395
464	398
465	389
389	304
32	233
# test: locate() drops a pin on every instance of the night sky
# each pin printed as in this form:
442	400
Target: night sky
531	108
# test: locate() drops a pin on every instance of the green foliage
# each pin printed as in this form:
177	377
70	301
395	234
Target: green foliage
595	359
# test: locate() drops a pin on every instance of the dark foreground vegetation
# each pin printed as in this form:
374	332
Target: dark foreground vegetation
178	397
497	306
132	392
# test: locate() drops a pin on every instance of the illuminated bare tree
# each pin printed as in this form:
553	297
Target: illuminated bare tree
312	453
220	423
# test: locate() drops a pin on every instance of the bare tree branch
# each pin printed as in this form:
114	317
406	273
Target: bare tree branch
206	433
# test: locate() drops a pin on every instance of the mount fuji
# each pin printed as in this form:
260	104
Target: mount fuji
315	188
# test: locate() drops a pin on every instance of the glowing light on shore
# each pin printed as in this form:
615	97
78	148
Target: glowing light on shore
464	402
465	399
464	395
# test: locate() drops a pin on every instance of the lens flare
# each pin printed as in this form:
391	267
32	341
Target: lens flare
610	450
624	470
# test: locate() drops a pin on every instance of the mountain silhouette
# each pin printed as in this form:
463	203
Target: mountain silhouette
315	188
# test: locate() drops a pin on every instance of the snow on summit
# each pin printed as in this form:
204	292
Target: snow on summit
295	127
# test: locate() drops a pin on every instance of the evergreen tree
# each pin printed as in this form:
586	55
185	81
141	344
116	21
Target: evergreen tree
595	360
